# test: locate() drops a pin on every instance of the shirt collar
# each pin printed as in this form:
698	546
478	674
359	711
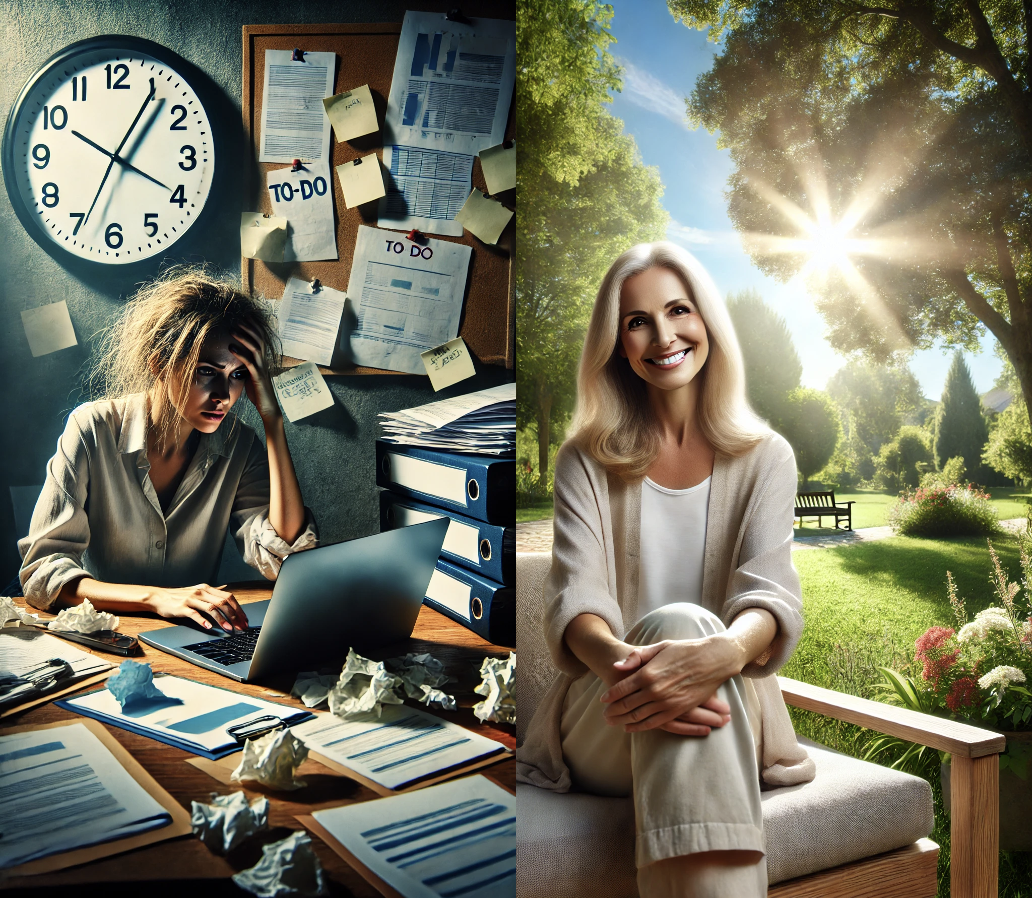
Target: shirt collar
133	437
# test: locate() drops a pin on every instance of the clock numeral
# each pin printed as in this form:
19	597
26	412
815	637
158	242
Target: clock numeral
178	125
121	73
151	226
50	117
113	235
50	195
191	157
75	89
78	224
178	196
41	153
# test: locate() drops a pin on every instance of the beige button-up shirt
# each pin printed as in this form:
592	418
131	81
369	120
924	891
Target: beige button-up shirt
99	516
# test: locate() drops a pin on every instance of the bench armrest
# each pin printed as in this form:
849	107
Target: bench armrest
959	739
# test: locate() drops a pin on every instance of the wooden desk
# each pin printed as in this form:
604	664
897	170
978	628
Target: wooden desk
186	858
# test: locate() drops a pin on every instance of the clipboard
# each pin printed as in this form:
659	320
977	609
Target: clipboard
180	825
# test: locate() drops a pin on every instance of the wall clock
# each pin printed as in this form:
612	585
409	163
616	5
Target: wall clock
108	153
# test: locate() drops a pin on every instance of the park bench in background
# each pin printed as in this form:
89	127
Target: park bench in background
822	505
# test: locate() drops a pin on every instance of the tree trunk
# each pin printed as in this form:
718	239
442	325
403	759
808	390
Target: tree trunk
544	420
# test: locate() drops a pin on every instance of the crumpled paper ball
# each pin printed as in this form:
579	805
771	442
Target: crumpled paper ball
272	760
11	615
134	684
364	687
421	675
288	868
498	684
84	618
313	688
228	820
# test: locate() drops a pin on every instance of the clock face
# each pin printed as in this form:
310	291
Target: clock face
109	152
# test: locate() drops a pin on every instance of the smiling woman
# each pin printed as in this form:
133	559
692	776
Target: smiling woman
146	482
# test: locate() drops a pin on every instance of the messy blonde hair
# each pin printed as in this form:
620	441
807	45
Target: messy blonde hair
614	421
159	335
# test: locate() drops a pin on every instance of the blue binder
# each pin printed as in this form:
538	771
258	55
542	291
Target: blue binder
485	607
486	549
475	486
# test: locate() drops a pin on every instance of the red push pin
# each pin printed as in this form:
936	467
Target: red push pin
296	165
418	237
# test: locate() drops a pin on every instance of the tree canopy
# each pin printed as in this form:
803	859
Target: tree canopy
960	428
810	423
875	400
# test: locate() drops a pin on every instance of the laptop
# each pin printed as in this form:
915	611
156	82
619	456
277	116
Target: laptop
359	594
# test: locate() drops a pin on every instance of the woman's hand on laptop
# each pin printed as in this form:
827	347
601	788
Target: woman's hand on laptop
197	601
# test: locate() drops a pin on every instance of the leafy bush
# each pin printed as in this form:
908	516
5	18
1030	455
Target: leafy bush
529	490
944	511
952	474
896	465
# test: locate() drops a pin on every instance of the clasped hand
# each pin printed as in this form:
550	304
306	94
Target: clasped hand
672	685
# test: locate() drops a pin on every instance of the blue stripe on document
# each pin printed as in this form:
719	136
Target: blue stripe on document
470	868
411	758
489	811
206	722
452	843
29	752
472	887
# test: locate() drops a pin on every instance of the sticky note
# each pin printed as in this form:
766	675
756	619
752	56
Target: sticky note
361	180
483	217
49	328
262	238
352	113
499	167
302	391
448	364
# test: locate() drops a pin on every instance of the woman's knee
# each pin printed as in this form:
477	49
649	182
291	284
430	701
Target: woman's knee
678	620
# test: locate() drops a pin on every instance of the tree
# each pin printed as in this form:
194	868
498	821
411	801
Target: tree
960	429
875	399
1009	449
811	425
891	143
899	461
583	196
769	376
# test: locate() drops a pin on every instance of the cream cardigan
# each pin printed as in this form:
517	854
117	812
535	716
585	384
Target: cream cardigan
748	564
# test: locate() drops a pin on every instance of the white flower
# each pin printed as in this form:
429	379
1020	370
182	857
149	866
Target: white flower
1001	677
971	631
986	620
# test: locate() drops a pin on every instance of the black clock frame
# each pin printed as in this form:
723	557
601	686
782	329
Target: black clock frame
199	83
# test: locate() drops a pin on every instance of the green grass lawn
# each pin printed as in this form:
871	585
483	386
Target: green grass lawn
534	512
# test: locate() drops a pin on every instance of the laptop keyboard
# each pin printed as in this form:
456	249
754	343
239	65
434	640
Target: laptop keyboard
230	649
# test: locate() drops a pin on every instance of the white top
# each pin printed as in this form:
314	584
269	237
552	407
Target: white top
673	545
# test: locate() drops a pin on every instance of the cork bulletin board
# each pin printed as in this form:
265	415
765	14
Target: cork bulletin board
365	55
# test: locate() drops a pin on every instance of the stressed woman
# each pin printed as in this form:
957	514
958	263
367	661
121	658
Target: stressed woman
672	598
146	482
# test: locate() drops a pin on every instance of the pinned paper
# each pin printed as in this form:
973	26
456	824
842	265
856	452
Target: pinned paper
313	688
133	686
309	320
361	180
294	121
288	869
305	198
272	760
363	688
13	616
84	618
498	684
499	167
448	364
484	217
262	238
352	113
228	820
49	328
302	391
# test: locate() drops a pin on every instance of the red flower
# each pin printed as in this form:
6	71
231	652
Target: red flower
963	694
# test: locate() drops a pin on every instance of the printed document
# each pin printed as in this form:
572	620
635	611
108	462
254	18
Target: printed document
305	199
425	189
308	322
22	650
483	422
294	122
61	789
408	298
452	83
456	838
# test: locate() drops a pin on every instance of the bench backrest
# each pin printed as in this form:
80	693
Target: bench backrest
816	500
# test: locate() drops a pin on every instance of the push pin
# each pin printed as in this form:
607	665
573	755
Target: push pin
296	165
455	15
418	237
299	55
316	286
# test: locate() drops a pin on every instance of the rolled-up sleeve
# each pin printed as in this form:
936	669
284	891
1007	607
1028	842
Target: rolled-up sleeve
60	530
259	543
765	576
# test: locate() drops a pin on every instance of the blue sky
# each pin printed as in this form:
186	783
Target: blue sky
661	60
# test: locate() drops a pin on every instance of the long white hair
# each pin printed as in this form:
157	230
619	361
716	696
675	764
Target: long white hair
613	420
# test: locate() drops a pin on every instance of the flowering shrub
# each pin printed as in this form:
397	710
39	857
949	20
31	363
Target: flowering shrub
944	511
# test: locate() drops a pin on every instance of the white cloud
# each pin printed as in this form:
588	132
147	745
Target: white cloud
687	235
647	91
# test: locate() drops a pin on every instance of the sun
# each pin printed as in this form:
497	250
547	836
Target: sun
828	247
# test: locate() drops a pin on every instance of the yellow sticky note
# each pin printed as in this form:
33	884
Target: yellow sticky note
352	113
499	166
302	391
361	180
484	217
448	364
49	328
262	238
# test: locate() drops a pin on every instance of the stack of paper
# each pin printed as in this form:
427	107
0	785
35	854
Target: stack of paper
22	651
483	423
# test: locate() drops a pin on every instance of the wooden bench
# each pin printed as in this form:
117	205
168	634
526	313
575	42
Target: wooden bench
822	505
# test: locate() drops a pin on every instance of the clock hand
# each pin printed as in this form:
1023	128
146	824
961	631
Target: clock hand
111	161
119	159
